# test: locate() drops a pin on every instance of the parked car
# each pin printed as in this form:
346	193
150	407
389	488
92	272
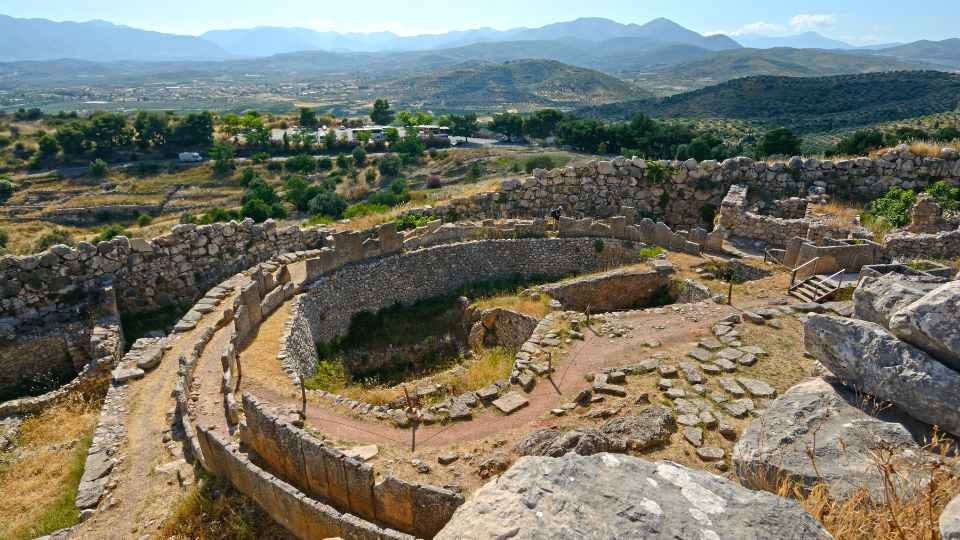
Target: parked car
190	157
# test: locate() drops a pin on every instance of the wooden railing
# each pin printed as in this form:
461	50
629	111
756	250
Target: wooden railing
793	275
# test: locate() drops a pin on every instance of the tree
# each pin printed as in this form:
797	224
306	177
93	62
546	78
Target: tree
151	129
582	134
405	118
299	192
48	146
359	157
260	189
780	141
860	142
108	132
222	155
391	135
256	210
389	166
343	162
381	115
508	124
410	144
71	138
308	118
542	123
193	130
302	163
53	238
465	126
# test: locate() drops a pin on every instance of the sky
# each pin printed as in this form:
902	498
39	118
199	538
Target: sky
856	21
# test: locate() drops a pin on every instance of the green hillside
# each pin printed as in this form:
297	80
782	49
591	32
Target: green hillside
806	105
521	82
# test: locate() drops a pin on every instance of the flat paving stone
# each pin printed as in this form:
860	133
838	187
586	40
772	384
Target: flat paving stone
730	386
688	420
665	384
675	393
511	402
730	354
668	371
694	436
700	355
708	419
647	365
726	365
610	389
710	453
692	373
712	369
710	343
754	350
747	360
757	388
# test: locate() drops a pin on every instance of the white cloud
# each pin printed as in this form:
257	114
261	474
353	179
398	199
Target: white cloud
759	27
808	22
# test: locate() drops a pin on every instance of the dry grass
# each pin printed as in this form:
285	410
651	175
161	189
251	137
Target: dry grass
931	149
39	488
489	366
535	307
898	516
214	510
842	212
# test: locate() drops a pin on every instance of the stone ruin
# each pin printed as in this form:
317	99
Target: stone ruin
237	274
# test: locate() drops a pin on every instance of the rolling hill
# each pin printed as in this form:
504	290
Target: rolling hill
945	53
534	82
806	105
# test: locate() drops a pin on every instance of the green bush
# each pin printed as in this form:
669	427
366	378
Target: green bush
343	162
327	203
893	208
109	233
389	166
781	142
324	164
98	168
540	162
274	166
260	157
247	175
412	221
4	239
54	237
359	157
144	219
364	209
648	253
302	163
474	172
946	196
6	190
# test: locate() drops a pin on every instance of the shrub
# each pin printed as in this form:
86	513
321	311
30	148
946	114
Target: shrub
274	166
6	190
248	175
109	233
892	208
650	253
412	221
364	209
327	203
947	197
144	219
475	171
260	157
222	155
861	142
343	162
145	168
256	210
540	162
389	166
302	163
779	141
54	237
324	164
4	239
98	168
359	157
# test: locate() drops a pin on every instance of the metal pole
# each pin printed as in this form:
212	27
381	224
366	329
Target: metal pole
303	396
239	375
730	294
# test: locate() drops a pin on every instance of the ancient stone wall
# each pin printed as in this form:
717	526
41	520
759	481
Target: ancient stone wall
326	474
687	194
905	246
333	300
304	516
611	291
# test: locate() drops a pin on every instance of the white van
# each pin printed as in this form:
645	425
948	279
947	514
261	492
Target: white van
190	157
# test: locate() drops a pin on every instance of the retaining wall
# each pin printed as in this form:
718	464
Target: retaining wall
349	485
610	291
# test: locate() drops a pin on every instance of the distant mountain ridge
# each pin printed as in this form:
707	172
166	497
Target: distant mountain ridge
806	40
41	39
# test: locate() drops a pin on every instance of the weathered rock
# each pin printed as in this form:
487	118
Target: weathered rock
877	299
757	388
710	453
554	443
693	435
827	419
933	323
866	357
511	402
651	427
618	496
950	520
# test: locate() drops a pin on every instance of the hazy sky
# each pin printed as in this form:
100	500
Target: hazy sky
858	21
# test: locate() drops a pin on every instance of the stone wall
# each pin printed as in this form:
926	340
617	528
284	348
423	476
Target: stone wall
615	290
326	474
304	516
331	302
905	246
686	194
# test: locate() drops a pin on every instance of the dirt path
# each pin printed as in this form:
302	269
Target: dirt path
674	327
144	498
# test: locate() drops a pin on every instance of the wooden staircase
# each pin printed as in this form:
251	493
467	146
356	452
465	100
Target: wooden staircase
814	289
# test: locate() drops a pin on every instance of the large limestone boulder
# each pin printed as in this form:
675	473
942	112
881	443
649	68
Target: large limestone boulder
877	299
555	443
865	356
950	520
829	420
933	323
607	496
650	428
